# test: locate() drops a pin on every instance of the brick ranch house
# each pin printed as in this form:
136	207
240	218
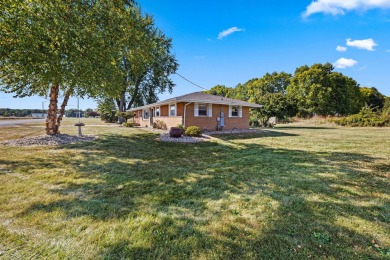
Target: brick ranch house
208	112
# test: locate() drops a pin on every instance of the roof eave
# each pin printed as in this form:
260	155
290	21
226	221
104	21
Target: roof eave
195	101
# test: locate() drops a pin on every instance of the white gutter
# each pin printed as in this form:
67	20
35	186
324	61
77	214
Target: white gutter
185	112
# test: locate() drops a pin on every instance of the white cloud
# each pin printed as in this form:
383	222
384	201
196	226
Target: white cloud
339	7
367	44
229	31
341	48
343	63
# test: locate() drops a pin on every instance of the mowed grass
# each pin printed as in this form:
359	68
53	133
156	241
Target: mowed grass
291	192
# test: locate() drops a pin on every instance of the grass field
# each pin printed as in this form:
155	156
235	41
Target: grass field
293	192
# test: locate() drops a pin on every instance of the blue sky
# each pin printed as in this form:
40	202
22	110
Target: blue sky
231	41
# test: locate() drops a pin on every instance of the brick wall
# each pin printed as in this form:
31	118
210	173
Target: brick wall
139	120
180	109
138	117
170	121
211	123
204	122
164	110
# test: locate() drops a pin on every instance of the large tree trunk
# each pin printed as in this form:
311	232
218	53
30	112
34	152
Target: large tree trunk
51	121
118	102
121	107
135	94
63	105
122	102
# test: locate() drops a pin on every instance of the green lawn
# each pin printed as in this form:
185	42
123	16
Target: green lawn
287	193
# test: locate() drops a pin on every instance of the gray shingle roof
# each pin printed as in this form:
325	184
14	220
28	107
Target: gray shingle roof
201	97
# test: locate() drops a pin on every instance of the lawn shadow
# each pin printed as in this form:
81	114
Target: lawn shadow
305	127
206	197
251	135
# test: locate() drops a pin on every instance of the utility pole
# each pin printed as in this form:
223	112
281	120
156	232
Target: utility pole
78	107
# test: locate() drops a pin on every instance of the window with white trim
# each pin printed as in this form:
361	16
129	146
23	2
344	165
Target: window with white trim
234	111
157	112
202	109
172	110
146	114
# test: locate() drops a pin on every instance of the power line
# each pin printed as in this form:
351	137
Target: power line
190	81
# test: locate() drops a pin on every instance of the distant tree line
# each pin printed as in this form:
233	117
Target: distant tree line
8	112
315	90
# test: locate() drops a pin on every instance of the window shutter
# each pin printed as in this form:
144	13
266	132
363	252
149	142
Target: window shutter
196	111
240	111
210	112
230	111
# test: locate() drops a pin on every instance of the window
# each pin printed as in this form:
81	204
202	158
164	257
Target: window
146	114
235	110
172	110
202	109
157	111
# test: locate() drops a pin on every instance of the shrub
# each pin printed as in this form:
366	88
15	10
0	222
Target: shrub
366	117
160	125
108	117
106	109
181	127
125	115
193	131
127	124
93	114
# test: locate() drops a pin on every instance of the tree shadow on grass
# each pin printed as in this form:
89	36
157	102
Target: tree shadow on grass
251	135
215	200
306	127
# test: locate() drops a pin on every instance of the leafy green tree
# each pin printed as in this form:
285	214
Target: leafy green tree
274	105
240	92
270	91
107	110
345	95
319	90
146	64
372	97
125	115
221	90
386	104
48	47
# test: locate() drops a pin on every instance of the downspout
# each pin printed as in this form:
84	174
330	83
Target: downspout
185	112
